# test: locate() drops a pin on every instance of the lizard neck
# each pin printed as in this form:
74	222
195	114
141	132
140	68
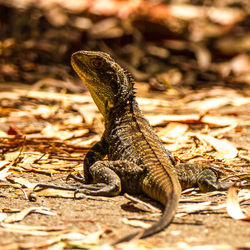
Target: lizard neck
124	112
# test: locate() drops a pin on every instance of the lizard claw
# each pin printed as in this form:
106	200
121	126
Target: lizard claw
97	189
79	177
88	189
40	187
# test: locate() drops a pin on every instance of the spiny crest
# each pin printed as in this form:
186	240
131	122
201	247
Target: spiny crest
131	81
129	76
125	87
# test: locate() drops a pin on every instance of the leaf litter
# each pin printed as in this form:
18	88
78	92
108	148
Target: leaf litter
208	125
30	155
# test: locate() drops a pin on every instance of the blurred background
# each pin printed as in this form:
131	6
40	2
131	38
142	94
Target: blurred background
168	44
191	63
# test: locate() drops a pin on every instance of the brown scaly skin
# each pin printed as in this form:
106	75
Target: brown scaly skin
137	160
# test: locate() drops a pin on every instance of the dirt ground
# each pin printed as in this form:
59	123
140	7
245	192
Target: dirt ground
103	219
191	63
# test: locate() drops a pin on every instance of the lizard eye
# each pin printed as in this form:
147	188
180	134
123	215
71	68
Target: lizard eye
97	63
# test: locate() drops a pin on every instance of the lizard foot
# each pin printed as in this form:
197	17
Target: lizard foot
97	189
79	177
40	187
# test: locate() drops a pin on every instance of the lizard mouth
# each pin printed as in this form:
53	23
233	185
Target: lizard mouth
78	66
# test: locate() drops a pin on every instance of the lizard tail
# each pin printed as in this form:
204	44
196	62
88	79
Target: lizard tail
165	220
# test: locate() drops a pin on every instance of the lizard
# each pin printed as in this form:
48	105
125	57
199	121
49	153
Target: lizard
137	162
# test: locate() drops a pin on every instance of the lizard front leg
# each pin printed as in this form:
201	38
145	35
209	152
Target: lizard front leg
110	177
96	153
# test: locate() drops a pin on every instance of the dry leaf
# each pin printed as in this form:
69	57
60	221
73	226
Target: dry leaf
173	130
51	244
79	238
142	205
148	102
53	192
45	111
88	113
21	215
225	15
52	96
159	120
136	223
203	55
2	133
219	120
50	192
80	143
23	182
225	149
32	230
221	131
209	103
3	216
3	163
233	206
243	156
194	207
187	12
4	172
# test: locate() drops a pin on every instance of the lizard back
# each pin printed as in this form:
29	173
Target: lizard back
130	137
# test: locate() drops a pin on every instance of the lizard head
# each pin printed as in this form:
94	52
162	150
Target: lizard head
109	85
